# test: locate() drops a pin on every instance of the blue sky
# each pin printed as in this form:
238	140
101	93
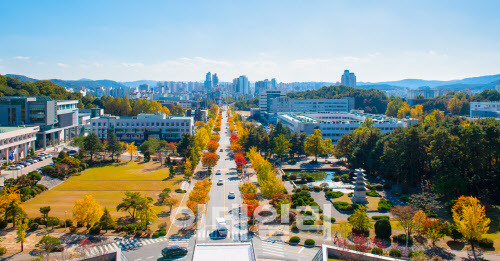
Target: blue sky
289	40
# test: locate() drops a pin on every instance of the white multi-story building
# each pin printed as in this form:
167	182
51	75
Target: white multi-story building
334	124
143	127
285	104
485	109
265	97
17	141
348	79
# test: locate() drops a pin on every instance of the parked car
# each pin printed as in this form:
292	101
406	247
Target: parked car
221	150
231	195
220	182
218	172
173	251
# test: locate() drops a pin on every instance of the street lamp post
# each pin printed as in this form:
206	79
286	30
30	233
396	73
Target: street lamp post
65	211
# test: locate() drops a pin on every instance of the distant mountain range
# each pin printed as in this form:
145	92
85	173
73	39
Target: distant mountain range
488	81
473	83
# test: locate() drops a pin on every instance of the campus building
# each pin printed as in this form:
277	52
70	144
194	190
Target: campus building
57	119
17	141
142	127
334	124
426	93
348	79
285	104
485	109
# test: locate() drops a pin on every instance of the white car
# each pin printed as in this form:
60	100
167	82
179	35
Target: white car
231	195
218	172
220	182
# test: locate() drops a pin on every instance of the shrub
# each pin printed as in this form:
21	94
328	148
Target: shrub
377	251
3	250
69	222
95	230
294	240
162	232
156	234
350	194
293	176
401	239
3	224
485	243
377	187
454	233
415	254
58	249
343	206
336	179
317	188
292	162
372	193
180	191
332	220
334	194
384	205
73	229
79	224
33	226
383	229
309	242
395	253
376	218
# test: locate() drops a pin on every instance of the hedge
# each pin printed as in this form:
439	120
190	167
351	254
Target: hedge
384	205
372	193
401	239
376	218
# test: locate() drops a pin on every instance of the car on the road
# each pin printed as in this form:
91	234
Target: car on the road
221	150
231	195
25	163
218	172
173	251
220	182
12	167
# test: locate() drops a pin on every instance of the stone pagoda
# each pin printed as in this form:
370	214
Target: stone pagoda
359	196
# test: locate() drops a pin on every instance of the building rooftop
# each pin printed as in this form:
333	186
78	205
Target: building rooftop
4	129
355	116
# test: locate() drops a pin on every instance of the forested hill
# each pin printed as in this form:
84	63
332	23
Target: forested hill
369	100
94	84
14	87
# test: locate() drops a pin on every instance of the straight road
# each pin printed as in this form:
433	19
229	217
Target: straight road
220	205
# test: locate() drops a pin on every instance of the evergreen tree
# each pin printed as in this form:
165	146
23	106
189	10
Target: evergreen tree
106	222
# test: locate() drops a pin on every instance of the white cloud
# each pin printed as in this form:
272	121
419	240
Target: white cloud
132	64
63	65
96	65
20	58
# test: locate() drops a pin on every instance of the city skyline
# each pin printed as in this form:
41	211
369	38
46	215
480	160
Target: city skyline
293	42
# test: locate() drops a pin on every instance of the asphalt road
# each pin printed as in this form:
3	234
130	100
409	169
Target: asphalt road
220	205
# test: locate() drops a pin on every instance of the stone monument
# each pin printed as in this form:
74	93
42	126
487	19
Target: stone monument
359	196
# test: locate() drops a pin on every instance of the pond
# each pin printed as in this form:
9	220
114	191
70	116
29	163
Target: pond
316	175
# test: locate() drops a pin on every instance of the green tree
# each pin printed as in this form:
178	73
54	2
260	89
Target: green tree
359	221
22	225
114	147
146	212
313	144
92	144
106	221
45	213
48	243
281	145
130	203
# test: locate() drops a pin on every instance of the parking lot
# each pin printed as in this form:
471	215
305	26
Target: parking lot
7	174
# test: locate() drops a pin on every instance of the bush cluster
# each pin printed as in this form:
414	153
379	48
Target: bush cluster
394	253
180	191
372	193
384	205
294	240
343	206
334	194
376	218
377	251
301	198
401	239
485	243
383	229
309	242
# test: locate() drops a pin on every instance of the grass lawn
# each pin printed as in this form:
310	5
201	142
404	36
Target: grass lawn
372	201
107	184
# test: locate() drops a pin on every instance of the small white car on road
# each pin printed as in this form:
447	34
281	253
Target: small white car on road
220	182
231	195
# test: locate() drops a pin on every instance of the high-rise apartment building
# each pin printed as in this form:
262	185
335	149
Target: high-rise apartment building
208	82
273	83
215	80
348	79
241	85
